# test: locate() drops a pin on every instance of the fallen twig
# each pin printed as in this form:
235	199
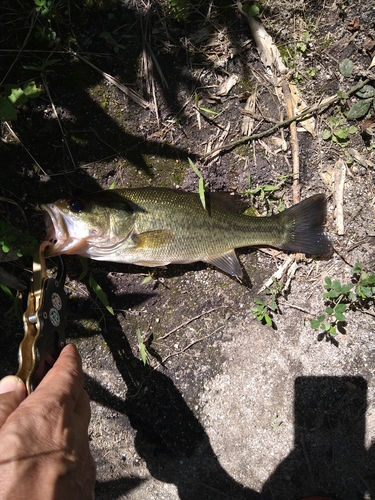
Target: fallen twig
189	321
339	182
293	142
299	117
127	91
188	346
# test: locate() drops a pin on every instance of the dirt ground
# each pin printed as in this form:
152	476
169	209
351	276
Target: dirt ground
226	407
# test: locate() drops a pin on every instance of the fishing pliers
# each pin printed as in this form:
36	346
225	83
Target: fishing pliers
43	320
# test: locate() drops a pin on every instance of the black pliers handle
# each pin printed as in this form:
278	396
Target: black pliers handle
44	322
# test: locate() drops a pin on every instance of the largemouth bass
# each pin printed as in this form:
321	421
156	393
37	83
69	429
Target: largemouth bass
159	226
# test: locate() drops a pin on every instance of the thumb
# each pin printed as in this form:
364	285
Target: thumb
12	393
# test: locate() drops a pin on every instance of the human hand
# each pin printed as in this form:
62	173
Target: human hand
44	446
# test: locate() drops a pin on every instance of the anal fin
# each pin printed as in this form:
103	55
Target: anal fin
228	262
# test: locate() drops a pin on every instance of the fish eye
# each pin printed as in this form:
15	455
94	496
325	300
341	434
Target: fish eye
76	206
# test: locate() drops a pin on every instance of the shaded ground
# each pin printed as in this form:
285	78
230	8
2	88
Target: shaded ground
236	409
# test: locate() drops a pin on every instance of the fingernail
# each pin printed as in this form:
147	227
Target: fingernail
12	383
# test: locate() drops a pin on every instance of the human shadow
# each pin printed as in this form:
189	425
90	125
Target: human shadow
329	457
169	436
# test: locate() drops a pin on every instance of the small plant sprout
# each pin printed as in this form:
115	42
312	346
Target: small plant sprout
202	186
16	307
15	243
266	192
147	279
94	285
264	310
338	131
201	108
142	347
14	96
342	297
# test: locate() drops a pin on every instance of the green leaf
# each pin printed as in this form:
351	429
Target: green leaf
358	110
335	121
329	310
367	291
6	290
346	67
336	285
16	96
201	192
201	185
357	268
315	323
31	90
268	320
7	110
328	280
340	308
332	330
210	111
342	133
366	92
84	265
326	134
339	316
259	301
346	288
352	129
331	294
142	347
100	294
147	280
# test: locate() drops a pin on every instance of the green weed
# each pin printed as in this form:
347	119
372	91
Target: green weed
16	307
142	347
202	186
47	11
178	9
339	131
94	285
265	193
340	297
13	96
15	243
264	310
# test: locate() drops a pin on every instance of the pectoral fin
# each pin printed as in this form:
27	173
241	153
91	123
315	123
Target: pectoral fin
152	239
228	263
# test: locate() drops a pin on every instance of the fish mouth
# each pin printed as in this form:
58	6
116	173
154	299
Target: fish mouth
57	233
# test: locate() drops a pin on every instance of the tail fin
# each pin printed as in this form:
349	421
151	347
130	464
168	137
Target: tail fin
304	227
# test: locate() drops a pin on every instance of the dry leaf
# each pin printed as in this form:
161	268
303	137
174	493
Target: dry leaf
339	181
227	85
247	121
299	105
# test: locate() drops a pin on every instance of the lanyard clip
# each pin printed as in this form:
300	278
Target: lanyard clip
43	320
